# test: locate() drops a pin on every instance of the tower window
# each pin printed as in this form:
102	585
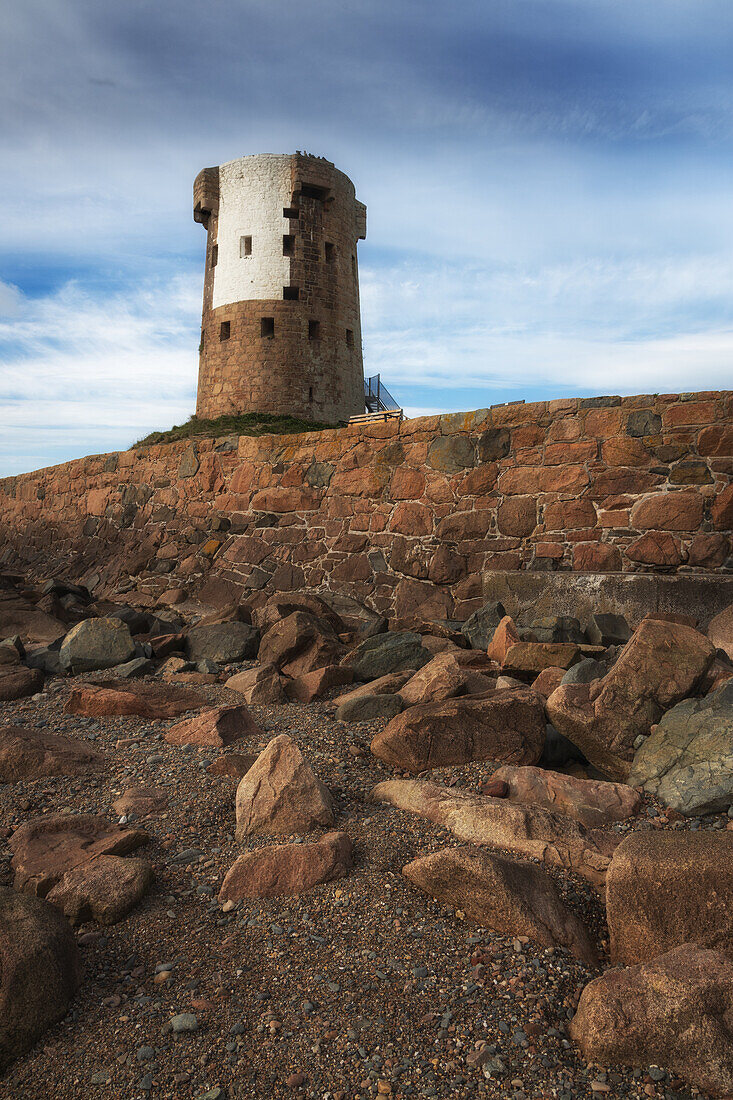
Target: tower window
267	326
314	330
310	393
288	244
313	191
330	251
290	212
245	246
353	266
214	255
225	330
290	294
349	338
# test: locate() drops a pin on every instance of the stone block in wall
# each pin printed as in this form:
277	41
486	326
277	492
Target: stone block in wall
493	444
420	602
722	509
517	516
617	481
690	471
678	511
596	557
717	439
562	515
451	453
643	422
709	551
659	548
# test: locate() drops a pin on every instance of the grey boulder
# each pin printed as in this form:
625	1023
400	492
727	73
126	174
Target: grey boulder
223	642
384	653
95	644
478	630
687	762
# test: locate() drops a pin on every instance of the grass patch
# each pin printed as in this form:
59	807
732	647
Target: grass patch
246	424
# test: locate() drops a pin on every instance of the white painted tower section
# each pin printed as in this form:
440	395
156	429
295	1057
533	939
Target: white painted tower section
253	192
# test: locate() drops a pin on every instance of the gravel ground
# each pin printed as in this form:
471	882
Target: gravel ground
359	988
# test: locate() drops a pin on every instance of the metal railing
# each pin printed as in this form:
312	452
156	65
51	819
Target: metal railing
377	397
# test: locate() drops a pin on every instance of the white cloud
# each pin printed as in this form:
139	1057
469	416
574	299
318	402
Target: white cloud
81	374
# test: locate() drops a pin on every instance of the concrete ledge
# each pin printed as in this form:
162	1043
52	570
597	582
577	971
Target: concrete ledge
527	596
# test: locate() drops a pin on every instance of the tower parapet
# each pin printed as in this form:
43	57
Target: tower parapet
281	327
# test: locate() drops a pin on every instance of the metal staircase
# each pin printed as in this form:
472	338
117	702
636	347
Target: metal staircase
377	397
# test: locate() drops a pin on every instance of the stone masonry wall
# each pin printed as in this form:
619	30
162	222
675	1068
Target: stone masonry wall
409	518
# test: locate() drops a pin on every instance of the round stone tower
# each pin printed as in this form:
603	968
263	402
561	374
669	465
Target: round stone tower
281	330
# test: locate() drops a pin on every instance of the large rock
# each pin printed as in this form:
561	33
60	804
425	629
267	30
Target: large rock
312	685
216	728
19	616
505	895
661	664
45	848
390	684
234	765
222	642
282	604
40	970
527	831
387	653
12	651
720	631
547	681
298	644
32	754
17	682
263	685
533	657
479	629
141	801
506	726
668	888
365	708
605	628
675	1012
504	637
145	700
585	672
104	889
687	762
590	801
96	643
557	628
441	678
287	869
280	794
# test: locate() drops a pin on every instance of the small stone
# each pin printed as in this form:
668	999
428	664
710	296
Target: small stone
184	1021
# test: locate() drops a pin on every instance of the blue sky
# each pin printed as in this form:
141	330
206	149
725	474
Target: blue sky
549	187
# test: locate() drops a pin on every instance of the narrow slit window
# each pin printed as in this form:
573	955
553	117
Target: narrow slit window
290	294
314	330
288	244
330	250
214	255
310	393
225	330
349	338
245	246
267	326
313	191
290	212
353	266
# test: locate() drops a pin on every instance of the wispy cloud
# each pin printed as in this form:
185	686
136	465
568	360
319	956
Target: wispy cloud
80	372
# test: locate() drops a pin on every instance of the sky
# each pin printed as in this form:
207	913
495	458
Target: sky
549	186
